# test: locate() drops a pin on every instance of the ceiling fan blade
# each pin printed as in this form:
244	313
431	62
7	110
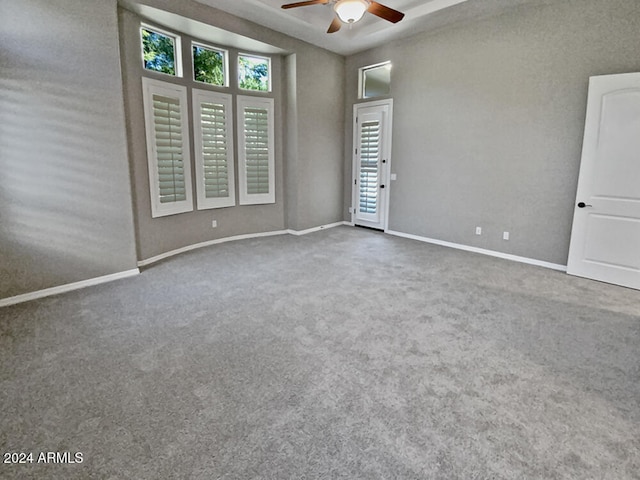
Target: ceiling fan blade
335	25
385	12
304	4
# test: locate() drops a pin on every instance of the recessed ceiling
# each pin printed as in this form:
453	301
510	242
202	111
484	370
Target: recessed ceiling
310	23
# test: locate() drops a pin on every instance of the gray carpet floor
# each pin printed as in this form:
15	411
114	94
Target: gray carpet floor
343	354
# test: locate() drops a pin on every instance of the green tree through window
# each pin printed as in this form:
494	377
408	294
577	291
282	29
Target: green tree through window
253	73
208	66
158	52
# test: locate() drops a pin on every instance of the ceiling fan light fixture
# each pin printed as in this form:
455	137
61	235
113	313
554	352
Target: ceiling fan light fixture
350	11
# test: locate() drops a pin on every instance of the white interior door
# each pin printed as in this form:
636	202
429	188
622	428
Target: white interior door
372	152
605	239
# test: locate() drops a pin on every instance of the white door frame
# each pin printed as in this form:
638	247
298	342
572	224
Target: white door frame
385	169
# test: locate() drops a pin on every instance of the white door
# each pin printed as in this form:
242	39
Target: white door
372	152
605	239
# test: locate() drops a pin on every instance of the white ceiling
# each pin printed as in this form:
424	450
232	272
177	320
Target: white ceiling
310	23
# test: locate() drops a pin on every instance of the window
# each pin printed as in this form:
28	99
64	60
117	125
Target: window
213	139
375	80
216	152
209	65
167	147
160	51
254	73
256	150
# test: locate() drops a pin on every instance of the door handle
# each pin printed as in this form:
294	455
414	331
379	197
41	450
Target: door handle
582	205
381	186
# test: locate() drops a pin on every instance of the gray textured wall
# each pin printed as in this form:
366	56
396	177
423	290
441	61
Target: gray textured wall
65	199
489	118
309	130
315	178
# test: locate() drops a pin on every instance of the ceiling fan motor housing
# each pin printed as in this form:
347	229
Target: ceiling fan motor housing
351	11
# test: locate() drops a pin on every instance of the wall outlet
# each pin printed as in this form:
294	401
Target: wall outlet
214	223
478	230
394	176
505	235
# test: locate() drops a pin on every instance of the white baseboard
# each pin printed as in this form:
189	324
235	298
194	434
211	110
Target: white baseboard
162	256
492	253
316	229
47	292
188	248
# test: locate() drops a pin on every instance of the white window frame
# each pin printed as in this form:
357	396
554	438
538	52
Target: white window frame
177	50
157	87
269	79
225	99
244	101
225	56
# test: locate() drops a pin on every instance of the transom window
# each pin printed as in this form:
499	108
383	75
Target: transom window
209	65
375	80
160	51
254	73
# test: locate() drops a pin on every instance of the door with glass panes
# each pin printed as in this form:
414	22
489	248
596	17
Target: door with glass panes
372	151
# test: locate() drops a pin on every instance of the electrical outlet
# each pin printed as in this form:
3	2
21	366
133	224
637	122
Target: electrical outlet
505	235
394	176
214	223
478	230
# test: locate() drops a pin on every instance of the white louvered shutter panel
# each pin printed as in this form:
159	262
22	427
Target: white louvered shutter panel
214	149
255	125
167	120
256	134
167	148
369	166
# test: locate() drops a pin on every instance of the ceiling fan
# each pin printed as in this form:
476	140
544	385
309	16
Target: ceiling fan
350	11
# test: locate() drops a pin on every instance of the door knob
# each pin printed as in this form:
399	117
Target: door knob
381	186
582	205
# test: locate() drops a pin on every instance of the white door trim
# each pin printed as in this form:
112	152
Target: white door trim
385	170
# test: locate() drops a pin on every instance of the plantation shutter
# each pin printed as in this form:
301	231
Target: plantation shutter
167	122
214	149
256	134
369	166
167	148
255	124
